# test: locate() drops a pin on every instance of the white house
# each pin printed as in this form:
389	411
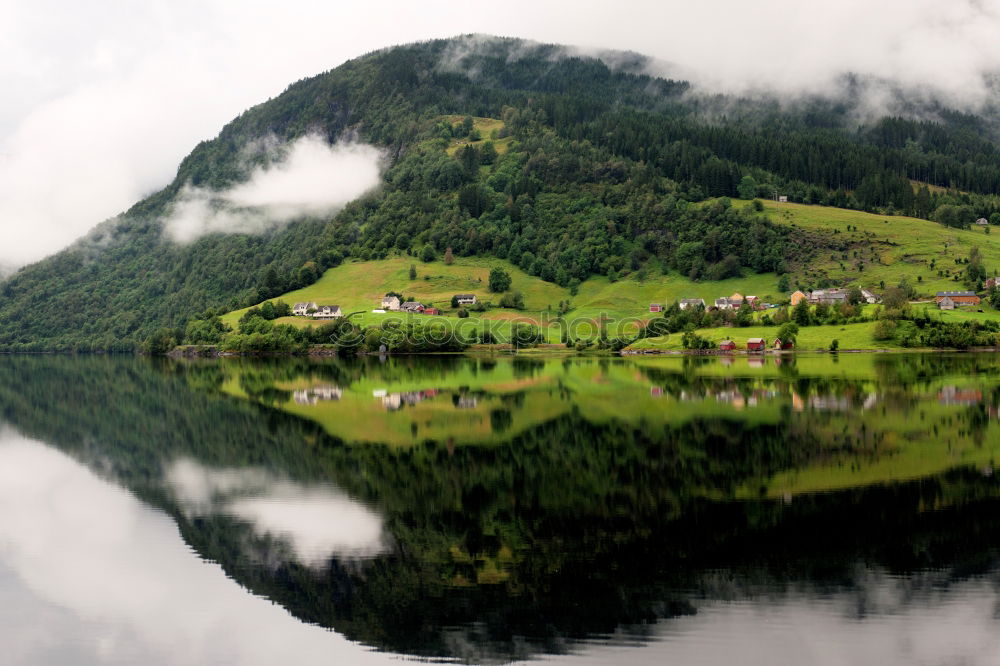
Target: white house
302	309
466	299
390	303
328	312
869	297
686	303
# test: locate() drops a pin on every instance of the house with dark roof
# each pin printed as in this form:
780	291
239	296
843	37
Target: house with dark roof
412	307
466	299
686	303
328	312
390	303
302	309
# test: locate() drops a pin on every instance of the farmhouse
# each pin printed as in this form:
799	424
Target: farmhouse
465	299
754	303
686	303
727	345
328	312
727	303
756	344
958	298
828	296
302	309
390	303
412	307
869	297
656	307
946	303
796	297
983	222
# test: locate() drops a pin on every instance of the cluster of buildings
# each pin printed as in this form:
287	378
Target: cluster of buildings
317	311
835	296
757	344
734	302
388	304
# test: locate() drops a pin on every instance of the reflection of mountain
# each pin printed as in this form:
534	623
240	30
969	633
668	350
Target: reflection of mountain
603	514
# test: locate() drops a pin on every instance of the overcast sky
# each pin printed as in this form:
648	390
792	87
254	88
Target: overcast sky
101	99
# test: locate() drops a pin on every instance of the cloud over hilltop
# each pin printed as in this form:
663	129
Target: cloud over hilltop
307	178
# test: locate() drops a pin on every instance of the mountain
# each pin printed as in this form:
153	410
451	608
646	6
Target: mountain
591	167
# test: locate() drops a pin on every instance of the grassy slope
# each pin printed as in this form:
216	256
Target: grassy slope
904	246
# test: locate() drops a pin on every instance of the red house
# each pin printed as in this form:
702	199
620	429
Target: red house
656	307
756	344
432	311
727	345
782	344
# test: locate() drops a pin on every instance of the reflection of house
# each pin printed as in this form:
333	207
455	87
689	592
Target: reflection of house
656	391
951	395
390	303
302	309
393	401
311	396
830	403
686	303
328	312
958	298
466	402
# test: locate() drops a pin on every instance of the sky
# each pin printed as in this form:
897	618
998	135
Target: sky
103	99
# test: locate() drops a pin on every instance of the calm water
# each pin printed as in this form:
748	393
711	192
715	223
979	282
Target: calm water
820	510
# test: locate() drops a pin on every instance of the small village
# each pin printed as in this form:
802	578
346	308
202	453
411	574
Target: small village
389	303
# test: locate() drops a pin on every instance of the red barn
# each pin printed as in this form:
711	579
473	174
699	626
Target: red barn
727	345
656	307
756	344
432	311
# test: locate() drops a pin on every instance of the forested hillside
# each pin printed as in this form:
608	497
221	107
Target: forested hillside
587	170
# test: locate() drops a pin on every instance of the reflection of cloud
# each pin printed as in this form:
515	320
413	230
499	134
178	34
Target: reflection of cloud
317	522
111	581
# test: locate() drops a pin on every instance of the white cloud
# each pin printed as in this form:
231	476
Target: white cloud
102	99
311	178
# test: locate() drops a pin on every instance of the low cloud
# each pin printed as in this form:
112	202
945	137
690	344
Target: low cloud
307	178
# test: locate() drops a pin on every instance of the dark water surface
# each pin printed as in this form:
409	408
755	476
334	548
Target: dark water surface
816	510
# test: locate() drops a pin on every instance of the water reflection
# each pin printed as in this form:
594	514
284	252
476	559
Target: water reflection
592	510
98	577
315	522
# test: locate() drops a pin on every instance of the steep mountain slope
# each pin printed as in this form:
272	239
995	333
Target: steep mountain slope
591	172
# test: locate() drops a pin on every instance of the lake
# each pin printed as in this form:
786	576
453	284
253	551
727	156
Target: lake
822	509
